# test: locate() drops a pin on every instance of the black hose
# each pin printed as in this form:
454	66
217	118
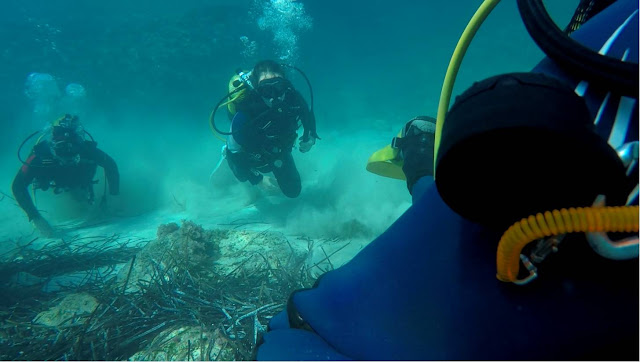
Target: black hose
29	137
212	119
308	83
586	10
88	134
581	62
22	144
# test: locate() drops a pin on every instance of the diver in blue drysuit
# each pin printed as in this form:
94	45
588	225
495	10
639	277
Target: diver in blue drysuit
426	288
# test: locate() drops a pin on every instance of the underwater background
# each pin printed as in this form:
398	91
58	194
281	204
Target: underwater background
150	72
153	70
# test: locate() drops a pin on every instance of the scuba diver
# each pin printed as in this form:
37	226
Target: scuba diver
522	241
65	162
404	158
266	111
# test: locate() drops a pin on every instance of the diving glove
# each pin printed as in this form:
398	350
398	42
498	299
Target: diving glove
305	145
416	148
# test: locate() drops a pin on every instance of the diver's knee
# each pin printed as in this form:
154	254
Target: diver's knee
291	190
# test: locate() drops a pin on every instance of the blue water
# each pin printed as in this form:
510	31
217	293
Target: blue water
152	72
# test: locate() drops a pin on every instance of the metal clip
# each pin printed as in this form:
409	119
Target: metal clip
616	250
546	247
533	271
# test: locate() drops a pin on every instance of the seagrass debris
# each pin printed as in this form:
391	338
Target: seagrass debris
191	294
61	256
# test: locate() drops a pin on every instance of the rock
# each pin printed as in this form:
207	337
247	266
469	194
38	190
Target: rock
177	344
251	250
24	279
73	309
188	246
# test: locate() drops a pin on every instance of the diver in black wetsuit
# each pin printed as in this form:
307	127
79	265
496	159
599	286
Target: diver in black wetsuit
66	162
264	129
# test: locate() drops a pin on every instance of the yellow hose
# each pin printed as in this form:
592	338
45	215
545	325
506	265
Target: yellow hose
574	220
454	65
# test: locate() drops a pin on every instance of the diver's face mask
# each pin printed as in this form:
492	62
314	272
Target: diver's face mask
66	142
66	150
274	90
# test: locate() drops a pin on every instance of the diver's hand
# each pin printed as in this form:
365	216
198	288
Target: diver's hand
268	185
305	146
43	226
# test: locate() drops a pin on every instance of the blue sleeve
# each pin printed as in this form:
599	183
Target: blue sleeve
426	289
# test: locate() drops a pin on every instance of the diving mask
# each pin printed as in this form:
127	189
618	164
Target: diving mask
66	137
67	149
274	90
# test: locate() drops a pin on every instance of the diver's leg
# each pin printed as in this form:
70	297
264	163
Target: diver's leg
241	168
234	165
288	176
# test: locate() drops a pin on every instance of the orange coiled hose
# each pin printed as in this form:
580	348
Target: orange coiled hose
573	220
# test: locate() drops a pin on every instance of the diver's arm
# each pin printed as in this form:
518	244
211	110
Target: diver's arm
308	119
20	192
110	168
310	127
